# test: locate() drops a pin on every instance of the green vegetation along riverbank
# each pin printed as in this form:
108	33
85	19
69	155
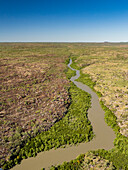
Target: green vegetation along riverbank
72	129
84	162
107	66
32	90
118	156
30	105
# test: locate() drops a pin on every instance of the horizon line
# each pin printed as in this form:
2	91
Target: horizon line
64	42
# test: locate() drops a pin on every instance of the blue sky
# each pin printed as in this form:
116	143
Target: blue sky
63	20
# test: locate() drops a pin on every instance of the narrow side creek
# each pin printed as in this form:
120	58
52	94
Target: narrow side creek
103	140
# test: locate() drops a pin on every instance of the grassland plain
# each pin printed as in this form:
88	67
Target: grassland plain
92	60
45	92
107	66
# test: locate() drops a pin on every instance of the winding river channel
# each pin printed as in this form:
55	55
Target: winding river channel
104	137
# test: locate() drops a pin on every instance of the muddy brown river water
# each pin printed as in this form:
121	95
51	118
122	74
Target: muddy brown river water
104	137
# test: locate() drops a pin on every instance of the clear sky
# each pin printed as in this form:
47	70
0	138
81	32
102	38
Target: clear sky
63	20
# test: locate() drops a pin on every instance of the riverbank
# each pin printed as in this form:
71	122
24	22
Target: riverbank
119	154
104	138
73	128
107	66
100	60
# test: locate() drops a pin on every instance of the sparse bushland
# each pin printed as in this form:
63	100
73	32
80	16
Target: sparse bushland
119	154
107	64
33	93
73	128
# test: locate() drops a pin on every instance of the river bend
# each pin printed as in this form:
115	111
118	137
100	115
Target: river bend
103	140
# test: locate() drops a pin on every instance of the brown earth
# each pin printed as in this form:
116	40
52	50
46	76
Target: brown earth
33	91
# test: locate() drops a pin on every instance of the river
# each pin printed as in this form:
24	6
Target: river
104	137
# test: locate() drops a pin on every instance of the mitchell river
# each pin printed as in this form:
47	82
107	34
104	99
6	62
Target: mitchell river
103	140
